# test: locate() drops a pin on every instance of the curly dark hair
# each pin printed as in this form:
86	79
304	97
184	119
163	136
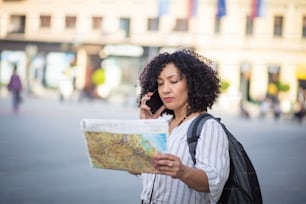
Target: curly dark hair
202	81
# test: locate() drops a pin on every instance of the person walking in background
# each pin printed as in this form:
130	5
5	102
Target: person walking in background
300	112
277	111
15	87
244	113
187	86
264	107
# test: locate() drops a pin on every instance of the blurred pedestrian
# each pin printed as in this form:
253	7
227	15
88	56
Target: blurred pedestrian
277	110
66	85
244	113
15	87
300	112
264	107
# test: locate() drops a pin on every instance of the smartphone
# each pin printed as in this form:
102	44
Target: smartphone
155	102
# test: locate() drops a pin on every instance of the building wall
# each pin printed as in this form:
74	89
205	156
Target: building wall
229	48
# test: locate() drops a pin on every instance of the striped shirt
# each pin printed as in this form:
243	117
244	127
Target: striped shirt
211	156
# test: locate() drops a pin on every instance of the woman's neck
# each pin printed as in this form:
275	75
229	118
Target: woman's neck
180	117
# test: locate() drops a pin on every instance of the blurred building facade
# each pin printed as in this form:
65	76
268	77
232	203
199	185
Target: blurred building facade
258	49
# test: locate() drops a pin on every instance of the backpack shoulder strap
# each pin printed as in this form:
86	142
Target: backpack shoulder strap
194	132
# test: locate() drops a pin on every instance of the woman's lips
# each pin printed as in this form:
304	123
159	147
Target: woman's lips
168	99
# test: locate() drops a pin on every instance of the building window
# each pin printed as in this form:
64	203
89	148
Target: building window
97	22
217	25
125	26
153	24
70	22
249	26
17	24
45	21
304	27
181	24
278	26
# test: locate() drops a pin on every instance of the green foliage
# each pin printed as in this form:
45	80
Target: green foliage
224	85
282	87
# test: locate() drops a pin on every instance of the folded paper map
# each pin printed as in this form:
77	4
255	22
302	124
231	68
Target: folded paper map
127	145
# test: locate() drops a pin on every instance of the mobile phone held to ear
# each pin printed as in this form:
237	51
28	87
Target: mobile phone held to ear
155	102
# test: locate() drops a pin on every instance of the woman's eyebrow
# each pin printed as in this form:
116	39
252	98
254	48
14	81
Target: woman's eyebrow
170	76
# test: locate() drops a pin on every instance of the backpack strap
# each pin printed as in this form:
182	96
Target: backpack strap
194	132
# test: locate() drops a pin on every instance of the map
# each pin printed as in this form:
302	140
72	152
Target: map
123	144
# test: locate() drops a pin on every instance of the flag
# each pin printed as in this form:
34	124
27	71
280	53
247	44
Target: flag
257	8
221	8
163	7
192	8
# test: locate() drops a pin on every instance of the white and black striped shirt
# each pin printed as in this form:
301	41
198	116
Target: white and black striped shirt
211	156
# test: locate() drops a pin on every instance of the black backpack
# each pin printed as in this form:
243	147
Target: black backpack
242	186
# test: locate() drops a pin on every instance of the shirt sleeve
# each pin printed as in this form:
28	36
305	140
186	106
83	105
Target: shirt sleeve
212	156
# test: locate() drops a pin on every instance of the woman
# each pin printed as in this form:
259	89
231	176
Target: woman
15	87
187	87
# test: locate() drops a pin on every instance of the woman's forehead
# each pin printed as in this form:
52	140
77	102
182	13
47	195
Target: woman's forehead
169	70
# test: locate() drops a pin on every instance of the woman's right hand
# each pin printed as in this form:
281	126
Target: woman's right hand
145	110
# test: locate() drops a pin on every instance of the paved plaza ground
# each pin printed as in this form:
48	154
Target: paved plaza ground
44	159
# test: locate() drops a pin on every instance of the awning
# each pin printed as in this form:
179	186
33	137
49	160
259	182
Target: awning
301	71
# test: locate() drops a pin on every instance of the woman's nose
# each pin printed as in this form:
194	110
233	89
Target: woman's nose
165	88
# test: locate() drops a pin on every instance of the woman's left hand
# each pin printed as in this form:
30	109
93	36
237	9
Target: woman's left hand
170	165
145	110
